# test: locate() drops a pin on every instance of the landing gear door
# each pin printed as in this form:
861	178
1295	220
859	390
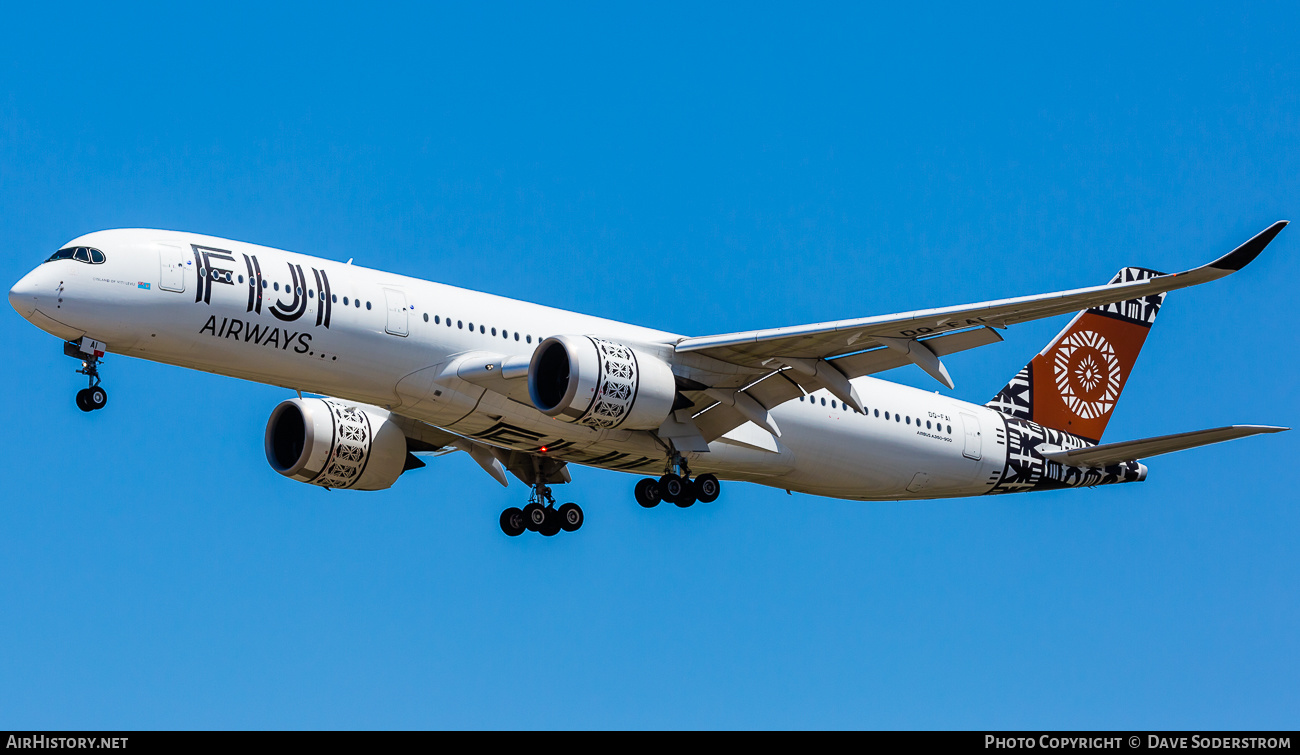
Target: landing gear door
171	263
971	424
397	312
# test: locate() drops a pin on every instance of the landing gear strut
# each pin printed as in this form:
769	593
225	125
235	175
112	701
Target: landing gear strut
677	487
94	397
540	515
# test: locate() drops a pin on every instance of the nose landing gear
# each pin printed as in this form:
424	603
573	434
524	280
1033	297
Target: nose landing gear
89	352
92	398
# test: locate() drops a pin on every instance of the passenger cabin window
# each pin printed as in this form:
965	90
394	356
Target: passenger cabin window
80	254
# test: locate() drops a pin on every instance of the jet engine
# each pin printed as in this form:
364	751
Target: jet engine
602	384
335	445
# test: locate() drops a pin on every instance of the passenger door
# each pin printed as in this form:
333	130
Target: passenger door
971	424
171	268
397	312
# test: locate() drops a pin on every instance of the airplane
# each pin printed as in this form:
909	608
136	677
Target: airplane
400	369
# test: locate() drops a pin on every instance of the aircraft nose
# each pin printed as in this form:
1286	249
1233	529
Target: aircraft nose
22	297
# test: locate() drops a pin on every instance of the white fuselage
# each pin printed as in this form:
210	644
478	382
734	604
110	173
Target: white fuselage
386	337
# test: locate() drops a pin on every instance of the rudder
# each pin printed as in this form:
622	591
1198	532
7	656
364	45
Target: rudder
1074	383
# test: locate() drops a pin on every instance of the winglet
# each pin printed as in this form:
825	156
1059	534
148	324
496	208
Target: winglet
1247	252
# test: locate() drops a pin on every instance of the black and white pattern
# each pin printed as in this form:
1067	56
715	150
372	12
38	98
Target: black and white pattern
350	448
1026	469
616	390
1015	400
1141	311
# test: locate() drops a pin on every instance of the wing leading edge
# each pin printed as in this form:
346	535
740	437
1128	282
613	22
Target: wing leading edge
828	339
778	364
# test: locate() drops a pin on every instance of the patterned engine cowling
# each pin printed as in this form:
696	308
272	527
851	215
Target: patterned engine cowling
335	445
599	383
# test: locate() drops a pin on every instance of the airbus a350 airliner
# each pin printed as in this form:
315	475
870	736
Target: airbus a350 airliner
402	368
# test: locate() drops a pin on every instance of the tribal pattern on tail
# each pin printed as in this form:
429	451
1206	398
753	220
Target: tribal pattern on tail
1026	469
1074	384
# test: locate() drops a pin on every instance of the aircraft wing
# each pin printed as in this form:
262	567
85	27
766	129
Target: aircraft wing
825	340
424	438
775	365
1132	450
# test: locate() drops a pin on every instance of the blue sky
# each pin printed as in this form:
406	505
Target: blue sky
699	170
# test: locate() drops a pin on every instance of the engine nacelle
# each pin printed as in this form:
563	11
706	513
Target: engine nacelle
602	384
335	445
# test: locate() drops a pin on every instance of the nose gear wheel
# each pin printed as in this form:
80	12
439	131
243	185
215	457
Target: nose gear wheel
93	397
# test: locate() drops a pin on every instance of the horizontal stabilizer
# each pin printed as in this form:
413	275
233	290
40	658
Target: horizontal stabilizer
1132	450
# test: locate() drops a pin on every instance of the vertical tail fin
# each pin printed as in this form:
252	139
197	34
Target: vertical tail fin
1074	383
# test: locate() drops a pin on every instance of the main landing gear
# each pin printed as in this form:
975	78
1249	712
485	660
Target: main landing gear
677	487
541	515
94	397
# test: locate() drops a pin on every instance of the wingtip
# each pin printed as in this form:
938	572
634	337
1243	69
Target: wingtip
1247	252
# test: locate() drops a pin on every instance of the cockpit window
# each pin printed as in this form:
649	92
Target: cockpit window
80	254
